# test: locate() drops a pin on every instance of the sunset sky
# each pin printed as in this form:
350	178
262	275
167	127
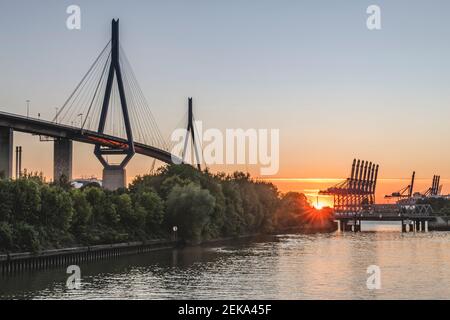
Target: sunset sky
312	69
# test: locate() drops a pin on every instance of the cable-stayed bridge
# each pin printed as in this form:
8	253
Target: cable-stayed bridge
107	109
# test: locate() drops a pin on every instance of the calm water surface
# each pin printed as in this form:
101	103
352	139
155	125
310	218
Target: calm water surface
320	266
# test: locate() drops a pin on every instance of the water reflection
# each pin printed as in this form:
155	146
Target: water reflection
325	266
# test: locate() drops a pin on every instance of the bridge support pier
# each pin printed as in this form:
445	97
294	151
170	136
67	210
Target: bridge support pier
114	177
403	226
6	152
339	229
62	159
357	225
426	226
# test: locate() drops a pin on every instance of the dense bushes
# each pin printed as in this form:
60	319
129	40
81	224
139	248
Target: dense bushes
35	215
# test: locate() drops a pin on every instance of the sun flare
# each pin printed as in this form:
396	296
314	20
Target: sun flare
319	205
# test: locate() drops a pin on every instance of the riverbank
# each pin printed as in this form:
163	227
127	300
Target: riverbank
28	261
11	263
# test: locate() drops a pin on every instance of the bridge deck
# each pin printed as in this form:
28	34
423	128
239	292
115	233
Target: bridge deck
55	130
382	217
388	212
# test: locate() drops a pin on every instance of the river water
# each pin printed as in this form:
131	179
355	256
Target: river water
319	266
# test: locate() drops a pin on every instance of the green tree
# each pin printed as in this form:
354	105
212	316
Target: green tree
6	200
234	212
170	182
190	208
26	200
56	208
82	212
291	210
152	208
26	237
103	209
129	218
6	236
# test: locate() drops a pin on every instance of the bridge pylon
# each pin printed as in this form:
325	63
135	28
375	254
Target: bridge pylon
114	175
191	131
6	152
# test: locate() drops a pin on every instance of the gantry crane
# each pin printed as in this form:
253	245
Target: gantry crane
404	193
435	188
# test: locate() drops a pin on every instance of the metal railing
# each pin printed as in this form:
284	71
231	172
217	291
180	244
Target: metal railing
390	210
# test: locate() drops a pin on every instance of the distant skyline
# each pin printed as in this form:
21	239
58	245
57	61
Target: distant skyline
312	69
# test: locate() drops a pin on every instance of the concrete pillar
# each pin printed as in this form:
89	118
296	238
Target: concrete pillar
6	152
420	226
114	177
338	225
426	226
62	159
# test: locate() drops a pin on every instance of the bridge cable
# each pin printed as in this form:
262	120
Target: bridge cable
149	127
144	104
146	127
132	109
99	101
96	90
82	80
82	95
136	118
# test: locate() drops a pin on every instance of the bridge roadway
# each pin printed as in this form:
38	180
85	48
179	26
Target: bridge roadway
64	134
55	130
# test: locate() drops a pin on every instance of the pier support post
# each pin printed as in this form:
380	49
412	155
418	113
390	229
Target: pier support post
344	225
338	225
114	177
62	159
426	226
6	152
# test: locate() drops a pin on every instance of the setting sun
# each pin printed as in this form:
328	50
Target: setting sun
320	205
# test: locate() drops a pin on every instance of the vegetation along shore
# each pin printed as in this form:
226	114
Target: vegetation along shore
35	215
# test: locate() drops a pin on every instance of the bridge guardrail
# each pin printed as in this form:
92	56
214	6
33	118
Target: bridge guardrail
390	210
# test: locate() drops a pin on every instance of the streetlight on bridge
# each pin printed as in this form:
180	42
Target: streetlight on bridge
81	120
28	108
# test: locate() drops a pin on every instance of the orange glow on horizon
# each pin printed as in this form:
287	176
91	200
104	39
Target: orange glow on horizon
320	205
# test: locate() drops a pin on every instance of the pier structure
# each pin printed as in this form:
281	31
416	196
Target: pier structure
354	202
413	218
